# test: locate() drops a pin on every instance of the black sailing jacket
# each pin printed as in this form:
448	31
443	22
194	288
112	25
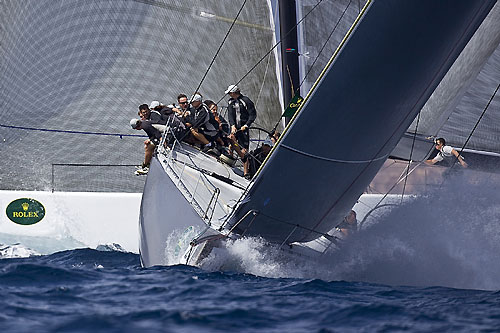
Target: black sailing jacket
246	110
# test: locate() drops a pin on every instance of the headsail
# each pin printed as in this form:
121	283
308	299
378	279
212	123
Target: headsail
355	115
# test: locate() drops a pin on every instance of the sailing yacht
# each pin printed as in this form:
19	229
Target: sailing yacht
369	93
73	73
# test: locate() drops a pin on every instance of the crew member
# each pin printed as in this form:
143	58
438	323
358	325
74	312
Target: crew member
445	155
241	114
349	225
154	137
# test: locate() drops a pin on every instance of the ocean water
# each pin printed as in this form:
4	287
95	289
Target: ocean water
428	265
93	291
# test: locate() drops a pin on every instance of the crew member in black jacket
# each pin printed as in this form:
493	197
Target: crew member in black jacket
241	114
154	137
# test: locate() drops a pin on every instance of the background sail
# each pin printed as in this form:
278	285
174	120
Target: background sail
458	101
87	65
363	104
460	123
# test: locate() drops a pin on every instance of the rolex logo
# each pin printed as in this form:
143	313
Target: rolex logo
25	211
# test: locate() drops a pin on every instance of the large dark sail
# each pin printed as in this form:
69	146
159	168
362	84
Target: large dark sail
355	115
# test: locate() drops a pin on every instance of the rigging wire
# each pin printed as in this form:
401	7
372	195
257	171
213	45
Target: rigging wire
394	132
481	117
267	66
136	135
263	82
274	46
316	58
378	205
473	130
411	155
201	82
197	88
300	21
324	45
220	46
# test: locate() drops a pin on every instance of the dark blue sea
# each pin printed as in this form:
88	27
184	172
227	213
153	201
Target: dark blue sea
87	290
94	291
430	264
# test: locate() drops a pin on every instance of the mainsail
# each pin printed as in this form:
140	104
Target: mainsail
81	67
355	115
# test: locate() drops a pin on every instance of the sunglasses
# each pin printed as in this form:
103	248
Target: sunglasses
183	102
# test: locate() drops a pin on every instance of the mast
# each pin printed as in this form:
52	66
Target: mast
289	51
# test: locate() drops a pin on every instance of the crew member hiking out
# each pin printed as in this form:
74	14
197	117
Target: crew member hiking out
241	114
149	144
153	113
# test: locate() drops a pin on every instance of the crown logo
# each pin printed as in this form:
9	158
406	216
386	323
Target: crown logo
25	206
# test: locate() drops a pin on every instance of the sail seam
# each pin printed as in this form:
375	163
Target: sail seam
333	159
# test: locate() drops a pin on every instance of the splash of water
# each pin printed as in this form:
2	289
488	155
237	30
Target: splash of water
250	255
16	251
450	237
109	247
178	243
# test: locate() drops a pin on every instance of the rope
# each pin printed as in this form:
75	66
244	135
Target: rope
267	68
407	115
297	225
371	211
93	165
315	6
71	132
393	186
454	162
332	159
263	82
